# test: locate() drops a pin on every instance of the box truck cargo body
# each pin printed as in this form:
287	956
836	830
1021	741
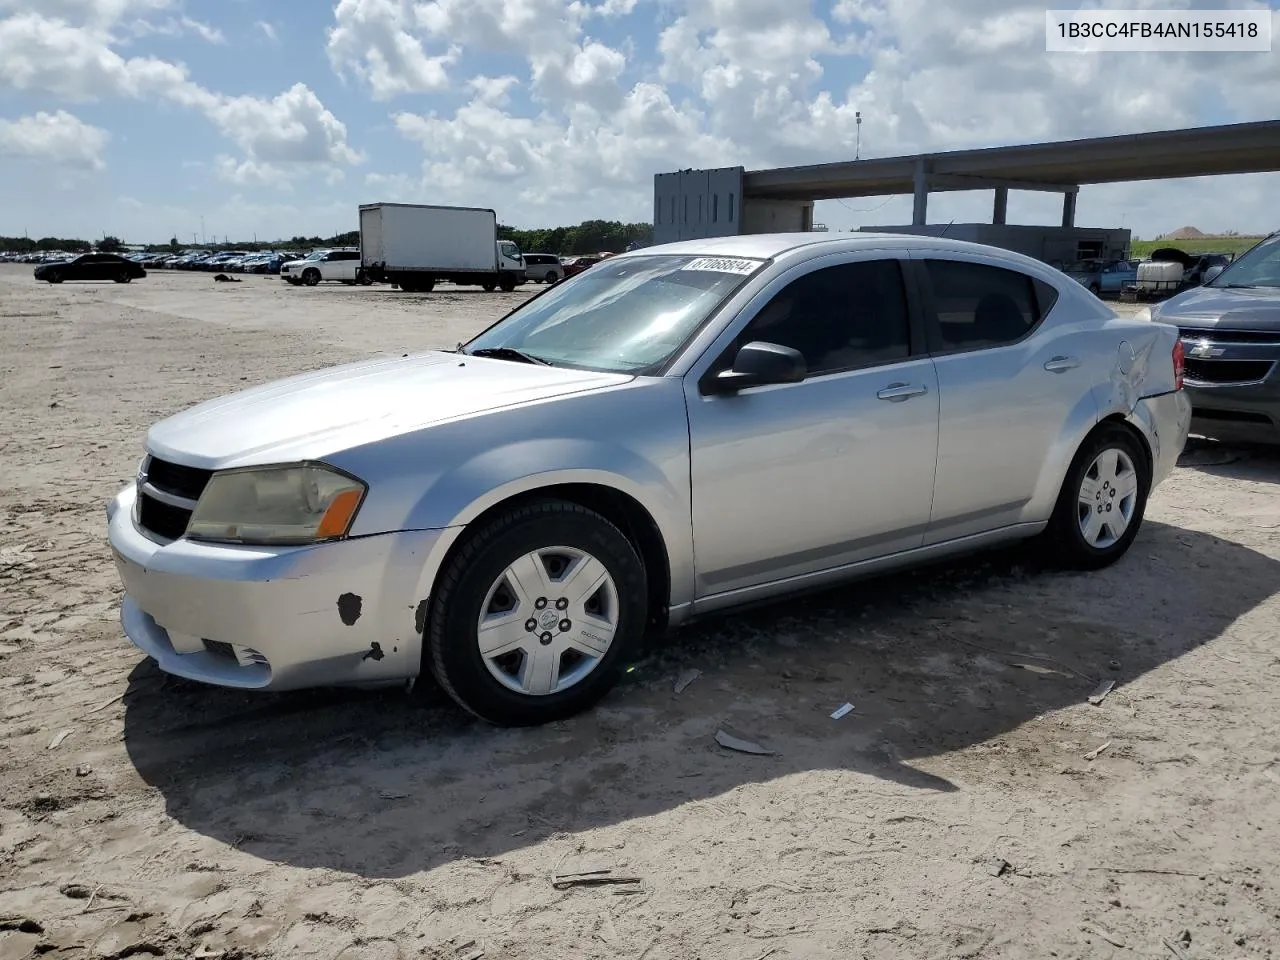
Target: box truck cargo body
418	246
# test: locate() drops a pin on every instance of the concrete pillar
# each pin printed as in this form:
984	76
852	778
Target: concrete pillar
920	210
1069	209
1001	208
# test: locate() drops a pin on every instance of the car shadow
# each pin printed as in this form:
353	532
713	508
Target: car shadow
1257	462
368	784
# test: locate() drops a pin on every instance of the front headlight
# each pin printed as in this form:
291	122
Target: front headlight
1143	314
304	503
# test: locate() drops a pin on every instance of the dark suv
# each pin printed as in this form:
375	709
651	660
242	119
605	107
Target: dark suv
543	268
1231	337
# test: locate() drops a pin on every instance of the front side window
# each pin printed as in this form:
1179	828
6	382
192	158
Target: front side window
839	318
978	305
627	315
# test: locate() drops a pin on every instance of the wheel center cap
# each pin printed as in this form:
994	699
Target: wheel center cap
548	619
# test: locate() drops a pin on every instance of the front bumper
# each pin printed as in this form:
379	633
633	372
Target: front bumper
272	617
1238	414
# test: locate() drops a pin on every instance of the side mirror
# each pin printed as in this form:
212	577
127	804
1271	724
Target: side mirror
759	364
1213	272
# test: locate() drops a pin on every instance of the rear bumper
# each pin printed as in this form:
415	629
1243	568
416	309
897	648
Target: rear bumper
1166	421
272	617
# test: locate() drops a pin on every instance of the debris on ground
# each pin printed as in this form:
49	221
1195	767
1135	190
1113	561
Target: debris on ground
730	742
83	770
59	737
1104	688
998	867
597	877
841	711
687	677
1097	751
1098	931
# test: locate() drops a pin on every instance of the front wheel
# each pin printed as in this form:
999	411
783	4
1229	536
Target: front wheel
536	616
1102	501
54	277
123	277
311	277
507	283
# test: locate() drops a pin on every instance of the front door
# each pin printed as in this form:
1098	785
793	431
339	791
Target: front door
793	479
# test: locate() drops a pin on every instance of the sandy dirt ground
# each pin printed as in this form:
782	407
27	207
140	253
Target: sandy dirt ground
973	804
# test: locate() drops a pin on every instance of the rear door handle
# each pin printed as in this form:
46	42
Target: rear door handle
897	392
1061	364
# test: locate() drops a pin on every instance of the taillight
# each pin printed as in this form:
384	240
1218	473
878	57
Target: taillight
1179	364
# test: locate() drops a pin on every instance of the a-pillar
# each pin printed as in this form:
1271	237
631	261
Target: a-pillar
1001	208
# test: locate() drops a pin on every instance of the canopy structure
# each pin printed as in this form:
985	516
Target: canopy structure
1059	167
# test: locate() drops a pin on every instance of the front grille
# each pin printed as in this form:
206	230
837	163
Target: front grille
234	653
179	480
162	482
162	519
1231	336
1227	371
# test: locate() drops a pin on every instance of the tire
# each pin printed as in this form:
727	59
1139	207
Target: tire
1095	289
54	277
478	578
123	277
427	285
1068	541
311	276
507	283
550	278
490	287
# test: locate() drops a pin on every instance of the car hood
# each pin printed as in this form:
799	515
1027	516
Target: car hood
1209	307
318	414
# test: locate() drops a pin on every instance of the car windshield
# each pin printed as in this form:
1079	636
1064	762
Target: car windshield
1259	267
624	316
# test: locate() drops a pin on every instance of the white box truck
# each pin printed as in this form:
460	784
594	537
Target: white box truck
418	245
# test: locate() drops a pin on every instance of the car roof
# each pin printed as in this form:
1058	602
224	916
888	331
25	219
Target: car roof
771	245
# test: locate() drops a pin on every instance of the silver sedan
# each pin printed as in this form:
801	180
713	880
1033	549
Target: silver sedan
677	431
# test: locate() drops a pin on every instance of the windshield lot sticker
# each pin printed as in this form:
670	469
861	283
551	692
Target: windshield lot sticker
723	265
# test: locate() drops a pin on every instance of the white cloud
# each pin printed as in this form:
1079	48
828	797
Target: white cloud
58	138
177	27
373	38
78	63
268	30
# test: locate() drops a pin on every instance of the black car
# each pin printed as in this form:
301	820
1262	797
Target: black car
1230	330
91	266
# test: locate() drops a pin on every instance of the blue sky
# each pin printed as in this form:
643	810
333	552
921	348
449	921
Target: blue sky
141	117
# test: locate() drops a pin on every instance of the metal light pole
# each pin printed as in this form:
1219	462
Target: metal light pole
857	119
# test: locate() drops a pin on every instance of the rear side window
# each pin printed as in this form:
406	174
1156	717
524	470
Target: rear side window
978	305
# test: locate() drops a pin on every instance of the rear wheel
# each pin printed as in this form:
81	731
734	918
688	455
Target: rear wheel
123	277
536	615
1095	289
490	287
1102	501
550	277
311	276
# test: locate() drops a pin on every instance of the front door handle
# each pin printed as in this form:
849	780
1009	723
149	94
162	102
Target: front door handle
897	392
1061	364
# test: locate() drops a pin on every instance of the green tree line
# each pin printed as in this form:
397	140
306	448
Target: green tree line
591	236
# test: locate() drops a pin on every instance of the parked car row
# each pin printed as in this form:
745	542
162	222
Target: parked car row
1125	277
549	268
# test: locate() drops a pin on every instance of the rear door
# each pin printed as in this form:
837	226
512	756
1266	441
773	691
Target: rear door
1008	384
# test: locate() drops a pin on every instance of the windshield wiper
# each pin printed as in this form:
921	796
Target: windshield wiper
1240	286
509	353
